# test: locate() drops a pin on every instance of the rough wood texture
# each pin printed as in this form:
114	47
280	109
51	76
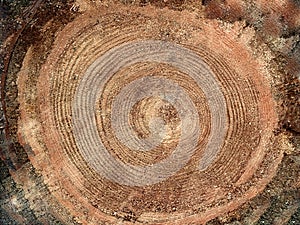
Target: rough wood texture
151	112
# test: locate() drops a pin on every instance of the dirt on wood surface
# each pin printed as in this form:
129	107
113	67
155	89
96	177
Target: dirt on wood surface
253	52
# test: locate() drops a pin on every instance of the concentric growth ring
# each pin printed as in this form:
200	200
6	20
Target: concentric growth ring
94	80
133	122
